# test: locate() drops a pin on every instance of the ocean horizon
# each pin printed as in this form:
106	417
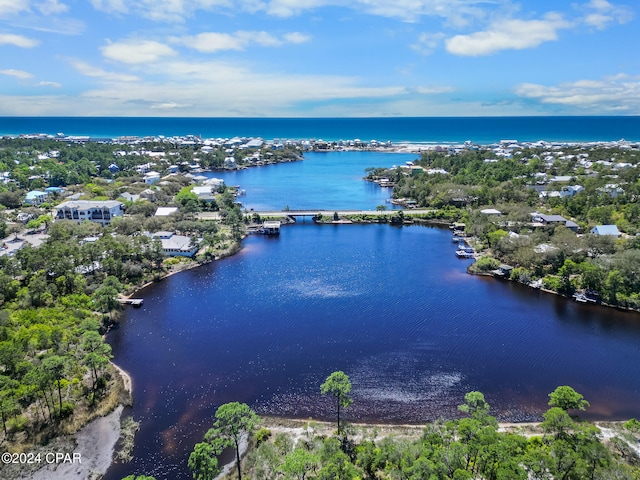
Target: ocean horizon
482	130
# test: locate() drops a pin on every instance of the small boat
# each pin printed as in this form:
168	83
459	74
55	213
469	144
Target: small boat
579	297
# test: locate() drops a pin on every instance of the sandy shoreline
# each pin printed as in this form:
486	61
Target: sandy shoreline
90	450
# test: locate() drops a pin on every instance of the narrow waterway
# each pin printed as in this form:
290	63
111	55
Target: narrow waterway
392	307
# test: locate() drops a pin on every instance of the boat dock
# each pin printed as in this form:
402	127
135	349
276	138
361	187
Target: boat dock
136	302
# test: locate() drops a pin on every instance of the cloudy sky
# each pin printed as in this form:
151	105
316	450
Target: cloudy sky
319	57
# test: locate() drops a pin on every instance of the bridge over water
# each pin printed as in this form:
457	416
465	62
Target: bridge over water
312	213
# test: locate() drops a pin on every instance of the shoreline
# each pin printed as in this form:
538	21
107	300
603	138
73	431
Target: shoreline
298	430
92	447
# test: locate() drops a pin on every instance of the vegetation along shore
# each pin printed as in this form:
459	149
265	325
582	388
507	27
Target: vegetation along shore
85	224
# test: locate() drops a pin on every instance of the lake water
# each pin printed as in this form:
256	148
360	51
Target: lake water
392	307
329	180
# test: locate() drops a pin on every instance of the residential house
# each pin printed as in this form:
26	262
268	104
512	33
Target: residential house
101	212
151	178
149	194
606	230
177	245
554	220
165	211
204	192
491	212
36	197
570	190
612	189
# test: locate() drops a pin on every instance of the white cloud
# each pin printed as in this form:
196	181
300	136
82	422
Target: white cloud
220	88
434	90
456	12
427	43
111	6
19	74
512	34
163	11
11	7
604	13
210	42
619	93
51	7
136	51
296	37
91	71
17	40
49	84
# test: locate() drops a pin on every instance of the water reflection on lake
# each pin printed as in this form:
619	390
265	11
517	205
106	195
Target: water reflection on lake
392	307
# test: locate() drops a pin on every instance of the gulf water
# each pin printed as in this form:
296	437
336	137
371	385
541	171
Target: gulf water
390	306
421	129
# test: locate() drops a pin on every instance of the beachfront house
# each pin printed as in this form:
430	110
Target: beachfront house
93	211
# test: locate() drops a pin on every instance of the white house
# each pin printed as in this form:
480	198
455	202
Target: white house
204	192
165	211
177	245
94	211
491	212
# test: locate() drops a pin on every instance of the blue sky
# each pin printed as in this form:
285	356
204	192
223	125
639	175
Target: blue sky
289	58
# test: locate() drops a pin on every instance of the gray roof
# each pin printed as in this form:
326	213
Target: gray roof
87	204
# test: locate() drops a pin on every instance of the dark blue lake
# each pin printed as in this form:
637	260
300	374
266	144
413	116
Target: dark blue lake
392	307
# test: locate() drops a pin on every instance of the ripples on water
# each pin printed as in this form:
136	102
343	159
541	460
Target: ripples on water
391	307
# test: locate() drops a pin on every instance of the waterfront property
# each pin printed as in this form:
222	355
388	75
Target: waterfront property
94	211
271	228
177	245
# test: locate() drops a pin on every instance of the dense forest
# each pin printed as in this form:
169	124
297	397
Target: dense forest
58	299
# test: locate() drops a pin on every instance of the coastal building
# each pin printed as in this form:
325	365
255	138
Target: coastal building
204	192
165	211
151	178
271	227
611	189
611	230
177	245
570	190
545	220
129	197
491	212
101	212
36	197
